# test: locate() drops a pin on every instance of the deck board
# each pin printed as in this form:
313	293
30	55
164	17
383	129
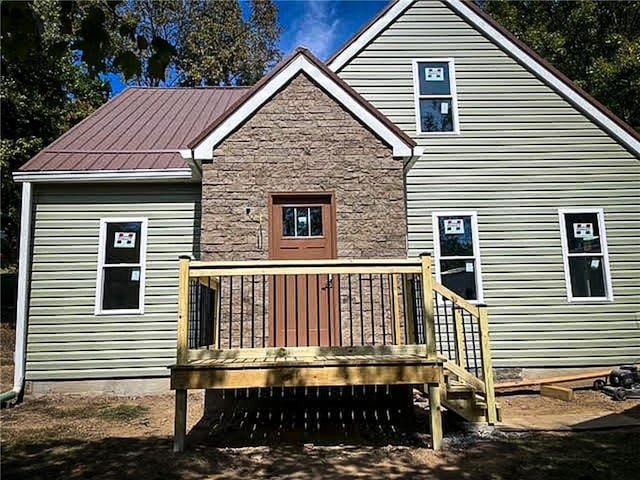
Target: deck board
318	370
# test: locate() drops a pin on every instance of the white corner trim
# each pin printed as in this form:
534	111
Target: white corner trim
71	176
604	252
194	165
476	247
368	35
453	95
24	270
418	151
204	151
101	265
549	77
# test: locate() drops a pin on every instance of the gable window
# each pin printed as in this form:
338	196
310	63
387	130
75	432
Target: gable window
457	253
584	250
121	266
435	96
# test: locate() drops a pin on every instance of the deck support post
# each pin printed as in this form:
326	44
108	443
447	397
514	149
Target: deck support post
180	423
429	322
487	365
182	347
435	414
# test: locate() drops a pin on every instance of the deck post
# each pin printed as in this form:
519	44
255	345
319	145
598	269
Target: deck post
487	365
435	415
180	422
182	347
429	326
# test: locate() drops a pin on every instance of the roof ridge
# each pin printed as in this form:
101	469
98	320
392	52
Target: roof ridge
201	87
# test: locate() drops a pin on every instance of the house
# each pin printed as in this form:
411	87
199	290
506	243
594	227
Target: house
433	129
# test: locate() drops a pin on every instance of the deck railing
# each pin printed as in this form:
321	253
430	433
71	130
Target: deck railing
237	306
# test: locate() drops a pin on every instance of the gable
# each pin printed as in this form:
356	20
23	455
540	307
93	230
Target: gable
301	61
455	27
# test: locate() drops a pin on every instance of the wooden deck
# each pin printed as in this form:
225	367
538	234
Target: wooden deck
391	325
296	371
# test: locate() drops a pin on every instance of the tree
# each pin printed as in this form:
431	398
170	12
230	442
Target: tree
195	43
45	89
56	55
595	43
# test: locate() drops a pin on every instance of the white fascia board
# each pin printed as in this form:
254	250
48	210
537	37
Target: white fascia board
547	76
70	176
204	151
194	165
369	34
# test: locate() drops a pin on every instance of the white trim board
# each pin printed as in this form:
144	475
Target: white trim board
476	247
459	6
604	253
204	151
101	265
73	176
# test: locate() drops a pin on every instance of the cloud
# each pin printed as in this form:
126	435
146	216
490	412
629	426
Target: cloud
318	28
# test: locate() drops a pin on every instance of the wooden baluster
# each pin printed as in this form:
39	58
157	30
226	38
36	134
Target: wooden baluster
396	310
409	305
487	365
460	338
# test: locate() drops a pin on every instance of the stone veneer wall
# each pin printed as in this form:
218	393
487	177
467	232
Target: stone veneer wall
302	141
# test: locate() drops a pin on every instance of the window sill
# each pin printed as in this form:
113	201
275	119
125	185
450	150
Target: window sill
438	134
590	301
108	313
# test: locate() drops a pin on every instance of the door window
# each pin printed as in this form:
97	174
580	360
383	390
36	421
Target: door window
302	222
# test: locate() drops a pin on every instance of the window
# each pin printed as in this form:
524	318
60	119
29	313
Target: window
302	222
121	266
457	253
435	96
586	261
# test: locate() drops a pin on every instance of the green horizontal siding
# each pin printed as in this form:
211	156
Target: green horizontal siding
523	152
66	340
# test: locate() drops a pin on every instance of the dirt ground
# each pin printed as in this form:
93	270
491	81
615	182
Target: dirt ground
75	437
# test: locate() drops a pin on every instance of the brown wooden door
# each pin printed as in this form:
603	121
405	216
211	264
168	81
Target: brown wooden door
303	307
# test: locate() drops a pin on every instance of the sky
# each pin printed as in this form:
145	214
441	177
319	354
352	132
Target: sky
322	26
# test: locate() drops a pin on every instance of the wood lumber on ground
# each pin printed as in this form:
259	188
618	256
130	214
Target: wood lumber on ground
556	391
559	379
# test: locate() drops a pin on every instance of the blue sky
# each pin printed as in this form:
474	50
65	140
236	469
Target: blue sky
322	26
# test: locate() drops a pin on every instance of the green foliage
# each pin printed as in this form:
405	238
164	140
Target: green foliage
56	55
196	43
595	43
45	89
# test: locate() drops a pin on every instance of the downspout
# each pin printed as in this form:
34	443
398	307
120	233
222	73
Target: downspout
19	356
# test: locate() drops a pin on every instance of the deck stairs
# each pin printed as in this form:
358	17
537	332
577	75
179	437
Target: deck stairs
466	401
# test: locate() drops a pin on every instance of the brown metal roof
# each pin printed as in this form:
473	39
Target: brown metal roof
142	128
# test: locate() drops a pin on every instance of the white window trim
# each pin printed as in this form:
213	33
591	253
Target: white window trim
143	265
454	95
476	247
604	253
